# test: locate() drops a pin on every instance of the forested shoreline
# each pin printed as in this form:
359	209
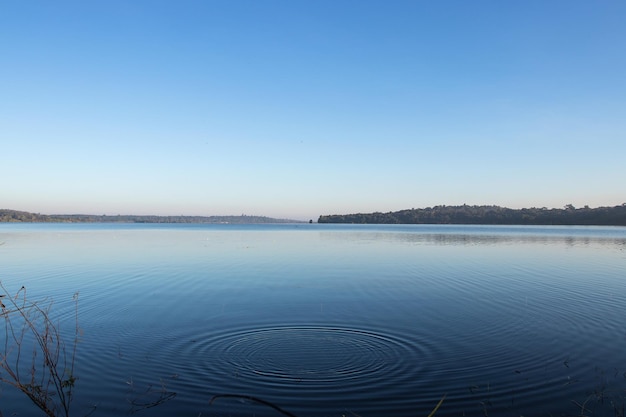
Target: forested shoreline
465	214
14	216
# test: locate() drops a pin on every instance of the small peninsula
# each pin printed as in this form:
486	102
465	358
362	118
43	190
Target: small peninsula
465	214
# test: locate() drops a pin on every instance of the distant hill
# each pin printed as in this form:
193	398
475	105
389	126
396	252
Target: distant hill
601	216
14	216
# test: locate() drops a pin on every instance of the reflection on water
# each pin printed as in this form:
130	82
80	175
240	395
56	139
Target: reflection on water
336	319
483	235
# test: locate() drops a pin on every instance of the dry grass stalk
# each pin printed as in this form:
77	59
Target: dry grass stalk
45	376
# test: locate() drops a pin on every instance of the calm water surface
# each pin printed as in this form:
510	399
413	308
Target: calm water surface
332	320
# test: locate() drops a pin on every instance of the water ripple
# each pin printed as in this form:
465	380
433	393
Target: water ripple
310	354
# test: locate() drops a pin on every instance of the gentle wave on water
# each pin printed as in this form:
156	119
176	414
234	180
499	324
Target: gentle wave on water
335	320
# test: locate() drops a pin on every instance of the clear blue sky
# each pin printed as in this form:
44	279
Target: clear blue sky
299	108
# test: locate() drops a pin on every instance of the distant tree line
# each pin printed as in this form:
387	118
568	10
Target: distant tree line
14	216
569	215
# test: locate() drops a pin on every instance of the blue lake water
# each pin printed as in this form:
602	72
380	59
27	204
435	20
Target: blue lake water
332	320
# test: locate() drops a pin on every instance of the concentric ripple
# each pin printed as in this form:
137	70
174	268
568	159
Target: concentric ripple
316	357
315	354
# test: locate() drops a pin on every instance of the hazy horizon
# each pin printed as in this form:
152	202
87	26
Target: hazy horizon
275	217
299	109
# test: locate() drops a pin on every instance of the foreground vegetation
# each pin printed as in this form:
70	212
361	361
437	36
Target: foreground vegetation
569	215
35	358
38	361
